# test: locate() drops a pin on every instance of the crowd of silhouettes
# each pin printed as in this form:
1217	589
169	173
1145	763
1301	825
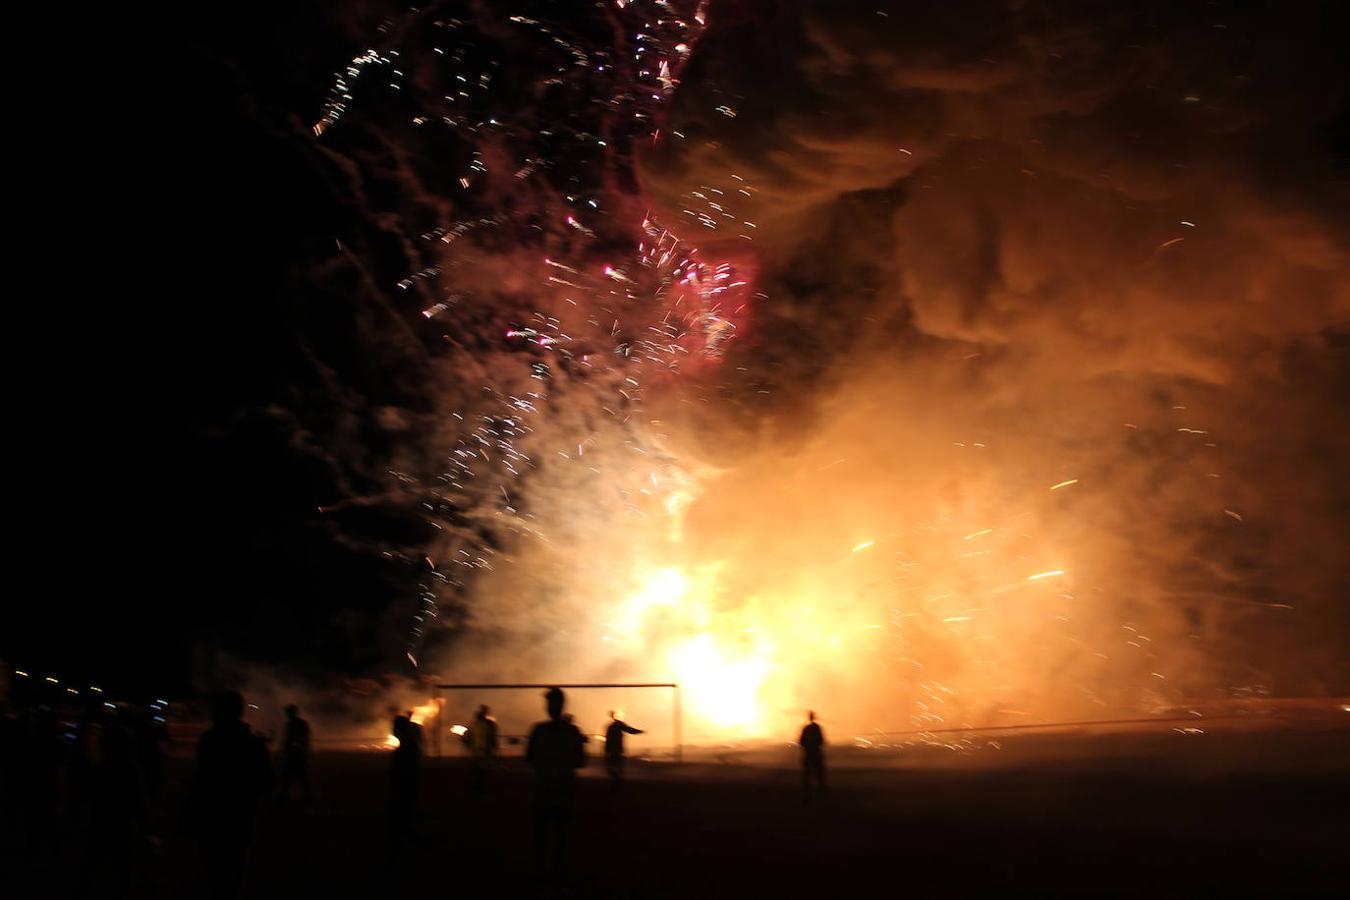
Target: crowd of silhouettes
86	792
78	781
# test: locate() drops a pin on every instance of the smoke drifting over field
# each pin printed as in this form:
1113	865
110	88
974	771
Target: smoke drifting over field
972	365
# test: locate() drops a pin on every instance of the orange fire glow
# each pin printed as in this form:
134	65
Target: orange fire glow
419	714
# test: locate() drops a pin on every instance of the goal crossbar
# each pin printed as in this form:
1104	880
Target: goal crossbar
676	713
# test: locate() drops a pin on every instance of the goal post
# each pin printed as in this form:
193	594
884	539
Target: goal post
676	707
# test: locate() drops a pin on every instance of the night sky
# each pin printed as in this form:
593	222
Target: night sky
261	352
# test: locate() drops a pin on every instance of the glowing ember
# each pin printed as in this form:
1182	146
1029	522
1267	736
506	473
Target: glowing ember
1053	573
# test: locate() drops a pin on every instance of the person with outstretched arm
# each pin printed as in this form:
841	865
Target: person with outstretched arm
614	755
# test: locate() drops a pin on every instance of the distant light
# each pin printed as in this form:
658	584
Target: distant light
96	689
458	730
21	673
51	679
863	546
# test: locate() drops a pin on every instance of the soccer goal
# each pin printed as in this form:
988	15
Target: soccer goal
676	710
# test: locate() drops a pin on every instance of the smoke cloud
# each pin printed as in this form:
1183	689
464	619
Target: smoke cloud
968	365
1007	247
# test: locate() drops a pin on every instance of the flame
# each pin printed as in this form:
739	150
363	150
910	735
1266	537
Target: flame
723	686
419	714
720	672
916	626
424	711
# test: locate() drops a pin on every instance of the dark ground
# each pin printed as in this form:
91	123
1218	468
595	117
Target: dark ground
1247	812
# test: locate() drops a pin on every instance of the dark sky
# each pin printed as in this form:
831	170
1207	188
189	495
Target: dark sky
217	382
169	220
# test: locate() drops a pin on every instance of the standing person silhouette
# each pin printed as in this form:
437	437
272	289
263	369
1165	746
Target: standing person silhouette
109	804
151	736
482	739
233	776
614	757
812	742
556	749
295	755
405	774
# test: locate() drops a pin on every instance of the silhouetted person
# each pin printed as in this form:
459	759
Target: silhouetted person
405	774
614	758
555	751
295	755
482	738
36	782
813	756
12	771
109	803
151	736
234	774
